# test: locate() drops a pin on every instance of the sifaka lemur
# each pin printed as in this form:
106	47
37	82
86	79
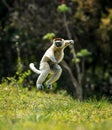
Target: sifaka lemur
49	63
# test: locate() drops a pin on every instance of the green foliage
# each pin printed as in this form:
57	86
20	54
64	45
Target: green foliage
90	22
19	62
76	60
19	78
49	36
22	76
21	109
83	53
63	8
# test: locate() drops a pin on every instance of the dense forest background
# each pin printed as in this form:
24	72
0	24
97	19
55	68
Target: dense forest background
28	26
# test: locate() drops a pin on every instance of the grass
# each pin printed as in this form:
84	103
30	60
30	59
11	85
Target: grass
21	109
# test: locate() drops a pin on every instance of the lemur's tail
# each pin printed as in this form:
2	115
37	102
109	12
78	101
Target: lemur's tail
33	68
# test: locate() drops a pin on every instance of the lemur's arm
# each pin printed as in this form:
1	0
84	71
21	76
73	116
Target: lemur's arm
53	59
51	56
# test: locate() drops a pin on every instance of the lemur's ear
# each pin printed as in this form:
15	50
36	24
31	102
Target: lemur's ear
58	39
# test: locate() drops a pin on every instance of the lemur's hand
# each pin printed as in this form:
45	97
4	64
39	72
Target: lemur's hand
54	60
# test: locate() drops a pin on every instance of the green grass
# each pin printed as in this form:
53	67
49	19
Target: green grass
21	109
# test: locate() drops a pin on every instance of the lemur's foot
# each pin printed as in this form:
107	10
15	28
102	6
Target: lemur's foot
49	86
40	87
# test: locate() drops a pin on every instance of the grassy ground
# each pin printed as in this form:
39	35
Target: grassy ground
21	109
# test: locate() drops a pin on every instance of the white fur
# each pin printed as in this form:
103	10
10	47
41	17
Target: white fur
34	69
49	63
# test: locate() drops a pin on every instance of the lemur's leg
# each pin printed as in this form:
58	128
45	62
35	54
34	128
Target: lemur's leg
45	70
57	70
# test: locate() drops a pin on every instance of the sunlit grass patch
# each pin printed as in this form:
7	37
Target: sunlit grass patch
21	109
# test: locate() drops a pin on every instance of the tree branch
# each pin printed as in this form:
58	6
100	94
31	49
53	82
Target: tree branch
6	5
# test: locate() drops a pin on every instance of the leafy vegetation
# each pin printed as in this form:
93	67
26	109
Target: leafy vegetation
21	109
62	8
27	28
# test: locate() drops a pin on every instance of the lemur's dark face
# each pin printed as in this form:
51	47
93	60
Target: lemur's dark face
58	42
61	43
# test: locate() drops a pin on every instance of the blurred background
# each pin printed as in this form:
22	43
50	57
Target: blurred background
27	28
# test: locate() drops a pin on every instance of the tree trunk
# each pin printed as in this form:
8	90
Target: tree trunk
77	86
76	82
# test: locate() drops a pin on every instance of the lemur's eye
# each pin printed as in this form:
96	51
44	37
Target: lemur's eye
58	44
